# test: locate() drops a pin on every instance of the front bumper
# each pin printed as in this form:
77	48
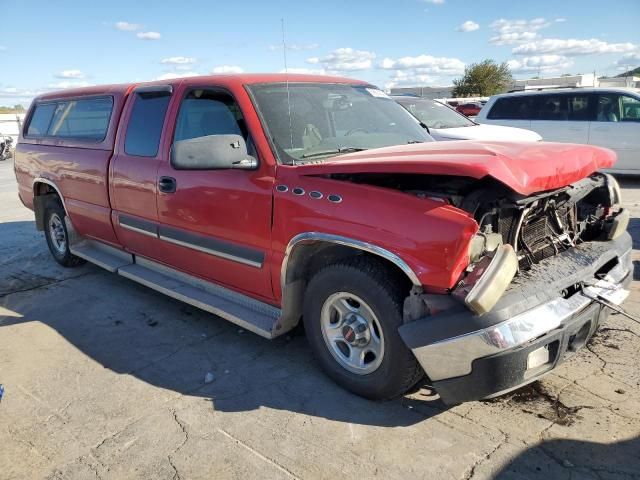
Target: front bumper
539	322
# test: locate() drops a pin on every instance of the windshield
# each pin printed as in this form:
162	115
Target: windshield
332	119
434	114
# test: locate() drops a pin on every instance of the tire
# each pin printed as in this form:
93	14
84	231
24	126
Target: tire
55	231
379	365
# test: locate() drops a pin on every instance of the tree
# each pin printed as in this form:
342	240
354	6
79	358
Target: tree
483	79
635	71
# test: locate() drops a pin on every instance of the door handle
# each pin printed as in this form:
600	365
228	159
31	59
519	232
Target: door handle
167	184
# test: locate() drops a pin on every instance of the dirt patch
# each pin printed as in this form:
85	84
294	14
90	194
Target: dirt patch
536	400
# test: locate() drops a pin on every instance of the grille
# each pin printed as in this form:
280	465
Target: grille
535	232
506	224
538	237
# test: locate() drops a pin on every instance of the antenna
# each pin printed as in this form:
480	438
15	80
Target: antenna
286	73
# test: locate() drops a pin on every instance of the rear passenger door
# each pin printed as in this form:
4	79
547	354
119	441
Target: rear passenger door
134	170
617	126
216	224
562	117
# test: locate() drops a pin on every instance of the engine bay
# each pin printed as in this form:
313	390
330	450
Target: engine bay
538	226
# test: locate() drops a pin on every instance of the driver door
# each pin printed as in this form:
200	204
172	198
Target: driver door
216	224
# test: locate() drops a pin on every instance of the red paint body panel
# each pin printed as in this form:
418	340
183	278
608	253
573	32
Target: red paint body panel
525	167
229	205
232	206
80	173
78	169
432	238
99	181
133	191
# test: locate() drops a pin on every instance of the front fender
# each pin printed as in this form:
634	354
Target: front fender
428	236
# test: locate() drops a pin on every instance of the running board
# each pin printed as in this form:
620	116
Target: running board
104	256
248	313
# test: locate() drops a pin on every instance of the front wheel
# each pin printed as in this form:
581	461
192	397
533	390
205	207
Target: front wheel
352	312
55	231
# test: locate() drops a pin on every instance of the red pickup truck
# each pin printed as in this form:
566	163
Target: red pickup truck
273	199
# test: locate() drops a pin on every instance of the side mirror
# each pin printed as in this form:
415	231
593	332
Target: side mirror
212	152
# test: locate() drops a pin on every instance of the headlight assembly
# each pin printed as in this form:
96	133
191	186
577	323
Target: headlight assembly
615	194
493	281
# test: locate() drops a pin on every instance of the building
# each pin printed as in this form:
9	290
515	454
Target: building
565	81
10	124
632	81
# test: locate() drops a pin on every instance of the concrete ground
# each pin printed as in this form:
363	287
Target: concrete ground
104	378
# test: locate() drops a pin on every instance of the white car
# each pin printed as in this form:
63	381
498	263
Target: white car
607	117
446	124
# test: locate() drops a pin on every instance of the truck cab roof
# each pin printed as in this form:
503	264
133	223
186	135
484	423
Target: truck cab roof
228	79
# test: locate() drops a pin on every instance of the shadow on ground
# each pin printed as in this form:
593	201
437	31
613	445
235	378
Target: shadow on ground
133	330
575	459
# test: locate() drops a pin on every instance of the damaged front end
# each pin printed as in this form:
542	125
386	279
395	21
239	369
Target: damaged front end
517	232
526	301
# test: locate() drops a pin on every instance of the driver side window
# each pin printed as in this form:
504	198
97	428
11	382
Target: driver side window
205	112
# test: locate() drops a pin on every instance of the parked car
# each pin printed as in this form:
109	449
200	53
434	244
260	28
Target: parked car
607	117
445	123
267	199
470	109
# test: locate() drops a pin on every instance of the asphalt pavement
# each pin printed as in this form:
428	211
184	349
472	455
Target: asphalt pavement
105	379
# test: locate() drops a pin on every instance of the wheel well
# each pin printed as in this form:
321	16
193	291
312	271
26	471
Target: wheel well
306	259
43	193
42	188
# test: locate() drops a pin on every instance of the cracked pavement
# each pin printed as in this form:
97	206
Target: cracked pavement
105	379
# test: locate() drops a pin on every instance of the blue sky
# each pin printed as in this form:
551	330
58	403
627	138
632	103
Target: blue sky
48	44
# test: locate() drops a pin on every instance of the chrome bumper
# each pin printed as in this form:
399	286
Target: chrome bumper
454	357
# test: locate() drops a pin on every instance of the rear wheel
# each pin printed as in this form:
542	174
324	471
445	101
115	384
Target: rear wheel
55	231
352	312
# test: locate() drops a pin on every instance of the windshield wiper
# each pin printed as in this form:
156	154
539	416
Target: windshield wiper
333	152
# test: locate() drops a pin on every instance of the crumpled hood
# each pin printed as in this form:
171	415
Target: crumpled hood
526	167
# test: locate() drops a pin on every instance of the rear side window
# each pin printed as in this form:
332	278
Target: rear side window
145	124
581	107
511	108
552	107
82	119
86	119
41	119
